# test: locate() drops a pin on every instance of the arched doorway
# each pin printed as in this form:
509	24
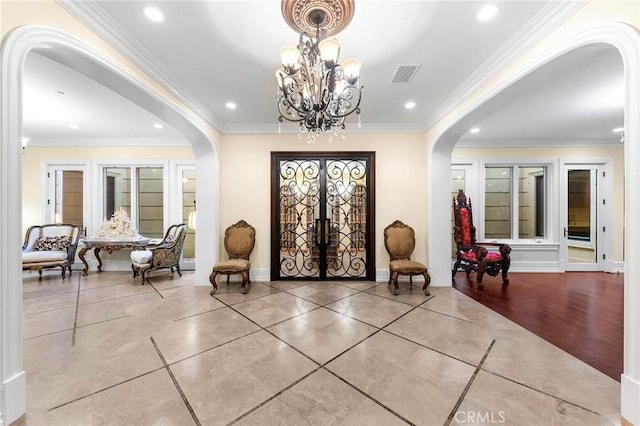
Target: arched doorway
625	39
15	49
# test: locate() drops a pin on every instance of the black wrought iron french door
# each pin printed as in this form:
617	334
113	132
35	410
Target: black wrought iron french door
322	216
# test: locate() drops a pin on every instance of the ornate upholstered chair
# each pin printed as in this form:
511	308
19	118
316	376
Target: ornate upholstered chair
50	246
471	255
165	255
239	240
399	240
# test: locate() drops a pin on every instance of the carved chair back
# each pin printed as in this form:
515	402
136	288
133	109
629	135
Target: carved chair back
399	240
239	240
464	232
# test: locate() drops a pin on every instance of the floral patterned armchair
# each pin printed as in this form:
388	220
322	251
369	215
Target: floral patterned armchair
165	255
471	255
239	240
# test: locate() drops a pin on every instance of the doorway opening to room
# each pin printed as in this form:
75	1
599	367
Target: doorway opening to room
66	189
584	225
323	216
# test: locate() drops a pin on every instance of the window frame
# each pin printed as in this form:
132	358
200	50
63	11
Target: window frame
550	198
100	188
475	189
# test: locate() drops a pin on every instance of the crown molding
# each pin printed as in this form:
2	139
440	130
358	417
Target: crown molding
544	22
292	129
99	21
106	142
537	143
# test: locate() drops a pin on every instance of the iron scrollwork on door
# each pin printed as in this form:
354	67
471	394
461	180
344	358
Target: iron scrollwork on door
299	208
346	218
322	209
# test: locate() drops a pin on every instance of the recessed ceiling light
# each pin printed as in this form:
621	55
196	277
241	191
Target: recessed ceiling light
618	130
74	126
410	105
158	126
487	12
231	105
153	14
474	130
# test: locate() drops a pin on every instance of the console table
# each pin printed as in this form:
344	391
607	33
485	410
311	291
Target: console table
109	245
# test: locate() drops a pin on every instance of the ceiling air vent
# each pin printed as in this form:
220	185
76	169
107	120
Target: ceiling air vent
404	73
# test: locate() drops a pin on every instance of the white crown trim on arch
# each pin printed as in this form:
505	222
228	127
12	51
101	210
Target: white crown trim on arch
15	47
626	39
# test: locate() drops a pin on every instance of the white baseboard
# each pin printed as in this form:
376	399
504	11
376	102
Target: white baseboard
260	274
14	402
630	400
256	274
614	266
538	266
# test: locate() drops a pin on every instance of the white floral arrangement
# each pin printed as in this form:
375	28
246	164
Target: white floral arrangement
118	226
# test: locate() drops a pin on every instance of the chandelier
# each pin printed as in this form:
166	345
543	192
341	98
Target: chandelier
314	90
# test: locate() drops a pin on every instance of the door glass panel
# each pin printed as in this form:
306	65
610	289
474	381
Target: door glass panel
69	197
581	219
300	225
346	218
151	202
530	202
497	223
189	212
117	190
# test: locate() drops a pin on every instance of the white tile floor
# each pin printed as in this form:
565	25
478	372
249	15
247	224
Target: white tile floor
105	350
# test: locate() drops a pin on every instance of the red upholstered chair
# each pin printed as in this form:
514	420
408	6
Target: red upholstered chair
472	256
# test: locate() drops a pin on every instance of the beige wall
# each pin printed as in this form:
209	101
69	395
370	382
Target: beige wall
401	178
245	185
400	184
615	154
35	158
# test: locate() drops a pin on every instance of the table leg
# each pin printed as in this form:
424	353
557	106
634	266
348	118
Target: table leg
85	269
96	252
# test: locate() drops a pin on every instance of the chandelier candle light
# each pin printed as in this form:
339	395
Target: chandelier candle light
314	90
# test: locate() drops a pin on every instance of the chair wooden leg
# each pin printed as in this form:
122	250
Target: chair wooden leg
505	269
212	280
245	279
481	270
64	272
394	279
427	281
455	269
178	271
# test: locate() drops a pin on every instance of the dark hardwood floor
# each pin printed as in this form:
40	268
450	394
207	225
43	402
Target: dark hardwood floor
580	312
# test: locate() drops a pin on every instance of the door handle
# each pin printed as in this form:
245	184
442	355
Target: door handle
565	231
327	234
316	232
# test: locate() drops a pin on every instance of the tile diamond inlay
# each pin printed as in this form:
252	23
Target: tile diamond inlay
290	354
